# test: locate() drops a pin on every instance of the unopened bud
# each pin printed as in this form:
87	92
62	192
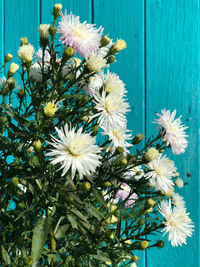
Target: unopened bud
160	244
15	181
68	53
86	186
144	244
28	260
3	119
84	118
8	58
150	202
23	41
56	10
118	46
141	221
112	219
151	154
119	150
37	145
139	137
21	93
11	83
13	68
44	33
95	129
52	31
179	183
124	161
111	59
105	40
107	184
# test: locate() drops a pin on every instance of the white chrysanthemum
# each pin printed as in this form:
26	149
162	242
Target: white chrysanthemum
25	52
178	200
95	62
174	131
160	174
95	83
177	223
36	72
111	109
112	84
75	150
136	172
82	37
118	137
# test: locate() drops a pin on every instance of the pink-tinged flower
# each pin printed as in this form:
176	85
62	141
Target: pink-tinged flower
124	194
174	131
82	37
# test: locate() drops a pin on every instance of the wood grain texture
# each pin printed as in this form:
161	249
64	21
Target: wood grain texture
1	34
172	79
125	20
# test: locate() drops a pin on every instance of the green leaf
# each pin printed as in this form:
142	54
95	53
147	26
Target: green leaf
93	211
99	197
61	231
72	221
101	256
40	232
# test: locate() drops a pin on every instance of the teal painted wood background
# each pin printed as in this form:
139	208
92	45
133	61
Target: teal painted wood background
160	68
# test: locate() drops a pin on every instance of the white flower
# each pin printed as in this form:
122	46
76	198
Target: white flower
82	37
112	84
25	52
151	154
136	172
95	83
118	137
174	133
58	6
161	172
13	68
36	72
95	62
44	31
177	223
178	200
179	183
111	109
76	150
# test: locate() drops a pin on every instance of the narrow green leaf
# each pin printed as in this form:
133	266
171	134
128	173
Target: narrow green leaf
61	231
99	197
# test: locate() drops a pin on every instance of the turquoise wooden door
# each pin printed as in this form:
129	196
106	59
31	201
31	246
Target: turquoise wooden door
160	68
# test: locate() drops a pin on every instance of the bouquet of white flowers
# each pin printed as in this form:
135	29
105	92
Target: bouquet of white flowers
77	188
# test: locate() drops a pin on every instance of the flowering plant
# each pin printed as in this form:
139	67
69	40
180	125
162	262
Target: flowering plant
76	189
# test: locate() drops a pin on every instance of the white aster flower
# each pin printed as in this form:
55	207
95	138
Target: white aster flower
75	150
174	133
111	109
112	84
36	72
177	223
177	200
95	83
82	37
118	137
95	62
25	52
44	31
161	172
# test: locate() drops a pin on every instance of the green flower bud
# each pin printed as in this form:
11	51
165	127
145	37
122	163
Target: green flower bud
160	244
111	59
86	186
52	31
86	98
124	161
105	40
56	10
28	260
37	145
23	41
150	202
3	119
69	51
118	46
107	184
8	58
144	244
21	93
11	83
139	137
15	181
95	129
119	150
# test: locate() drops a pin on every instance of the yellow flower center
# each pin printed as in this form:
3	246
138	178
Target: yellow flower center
116	134
50	109
76	147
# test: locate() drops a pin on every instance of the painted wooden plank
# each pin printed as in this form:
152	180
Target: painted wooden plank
172	79
125	19
21	19
1	34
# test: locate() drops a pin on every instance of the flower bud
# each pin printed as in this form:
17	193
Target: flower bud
8	58
107	184
95	129
148	210
124	161
56	10
160	244
52	31
44	33
112	219
3	119
150	202
84	118
111	59
86	186
23	41
133	265
151	154
112	236
11	83
105	40
13	68
28	260
118	46
21	93
179	183
139	137
141	221
15	181
37	145
95	63
119	150
144	244
128	242
69	51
